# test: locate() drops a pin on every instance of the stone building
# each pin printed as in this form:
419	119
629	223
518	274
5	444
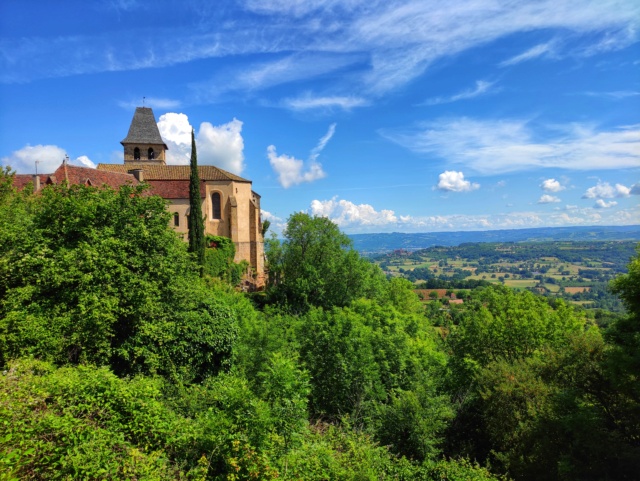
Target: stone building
230	207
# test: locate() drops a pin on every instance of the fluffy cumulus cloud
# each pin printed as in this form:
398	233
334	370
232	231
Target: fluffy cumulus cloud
551	185
222	145
347	214
451	181
548	199
604	190
603	204
292	171
48	158
500	146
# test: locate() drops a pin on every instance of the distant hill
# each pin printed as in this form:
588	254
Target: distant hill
379	243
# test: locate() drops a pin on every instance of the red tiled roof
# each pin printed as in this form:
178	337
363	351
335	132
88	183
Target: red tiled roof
78	176
174	189
172	172
20	181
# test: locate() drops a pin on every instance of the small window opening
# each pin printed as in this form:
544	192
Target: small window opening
176	220
150	154
216	208
136	154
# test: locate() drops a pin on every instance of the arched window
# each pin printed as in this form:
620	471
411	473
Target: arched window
150	154
216	206
176	219
136	154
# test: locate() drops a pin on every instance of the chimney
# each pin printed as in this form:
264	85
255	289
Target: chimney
138	174
36	183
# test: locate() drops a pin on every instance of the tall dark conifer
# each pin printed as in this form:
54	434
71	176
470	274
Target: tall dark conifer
196	222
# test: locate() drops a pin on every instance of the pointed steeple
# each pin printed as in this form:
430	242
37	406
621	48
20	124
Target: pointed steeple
143	143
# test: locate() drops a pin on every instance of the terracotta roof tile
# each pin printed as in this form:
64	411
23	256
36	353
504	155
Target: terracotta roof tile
174	189
78	175
172	172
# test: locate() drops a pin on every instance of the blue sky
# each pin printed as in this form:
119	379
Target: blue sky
386	116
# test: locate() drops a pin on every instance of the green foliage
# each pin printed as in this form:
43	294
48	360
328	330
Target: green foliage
218	260
83	423
500	323
315	266
195	220
96	276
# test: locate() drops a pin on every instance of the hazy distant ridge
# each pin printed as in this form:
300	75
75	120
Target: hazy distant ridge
373	243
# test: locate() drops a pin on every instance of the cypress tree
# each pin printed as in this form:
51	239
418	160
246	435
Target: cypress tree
195	222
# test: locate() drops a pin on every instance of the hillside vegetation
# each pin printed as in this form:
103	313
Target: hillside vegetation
578	272
119	361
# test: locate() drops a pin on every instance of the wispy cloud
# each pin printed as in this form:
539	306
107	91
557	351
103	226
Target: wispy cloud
615	95
310	102
500	146
384	44
482	87
542	50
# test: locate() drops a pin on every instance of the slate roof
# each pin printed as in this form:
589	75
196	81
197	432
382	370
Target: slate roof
173	172
144	129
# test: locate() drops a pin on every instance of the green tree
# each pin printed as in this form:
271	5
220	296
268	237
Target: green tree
93	275
316	266
195	221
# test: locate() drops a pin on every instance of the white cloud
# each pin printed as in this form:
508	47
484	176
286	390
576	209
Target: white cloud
292	171
222	146
615	95
541	50
552	185
358	218
482	87
309	102
347	214
635	189
452	181
278	224
548	199
394	40
49	158
604	190
175	130
500	146
603	204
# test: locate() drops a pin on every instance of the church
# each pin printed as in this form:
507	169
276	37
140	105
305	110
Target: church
229	205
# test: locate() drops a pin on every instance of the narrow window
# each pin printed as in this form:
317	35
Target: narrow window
150	154
176	220
216	210
136	154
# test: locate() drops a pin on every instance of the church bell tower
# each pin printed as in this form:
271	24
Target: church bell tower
143	144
